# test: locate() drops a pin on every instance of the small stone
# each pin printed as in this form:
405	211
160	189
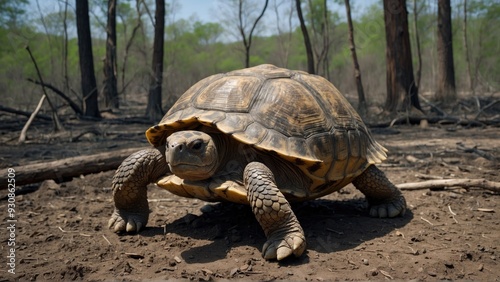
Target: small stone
365	262
373	272
233	271
177	259
448	264
432	273
480	267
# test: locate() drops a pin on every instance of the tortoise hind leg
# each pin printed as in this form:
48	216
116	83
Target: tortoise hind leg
130	189
274	214
384	198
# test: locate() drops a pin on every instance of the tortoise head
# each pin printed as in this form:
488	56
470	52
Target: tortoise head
191	155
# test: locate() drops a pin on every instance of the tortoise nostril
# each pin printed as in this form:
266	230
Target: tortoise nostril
177	146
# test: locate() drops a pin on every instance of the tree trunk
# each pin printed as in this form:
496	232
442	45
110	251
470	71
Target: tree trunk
88	81
248	42
402	92
357	71
446	92
154	110
66	169
65	48
110	81
417	43
466	49
307	40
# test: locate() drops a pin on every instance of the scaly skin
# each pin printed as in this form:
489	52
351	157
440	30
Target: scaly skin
130	189
274	214
384	198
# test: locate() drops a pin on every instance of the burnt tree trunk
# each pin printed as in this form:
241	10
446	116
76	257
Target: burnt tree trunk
88	81
307	40
110	67
357	71
417	43
66	169
402	92
154	110
446	92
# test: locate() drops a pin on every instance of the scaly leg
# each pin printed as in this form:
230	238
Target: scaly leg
274	214
384	198
130	189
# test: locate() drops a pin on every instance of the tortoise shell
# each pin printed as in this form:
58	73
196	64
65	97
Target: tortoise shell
293	115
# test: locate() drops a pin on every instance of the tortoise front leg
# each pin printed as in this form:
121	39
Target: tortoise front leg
384	198
274	214
130	189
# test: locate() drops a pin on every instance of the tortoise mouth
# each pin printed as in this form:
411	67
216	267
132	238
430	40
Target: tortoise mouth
191	171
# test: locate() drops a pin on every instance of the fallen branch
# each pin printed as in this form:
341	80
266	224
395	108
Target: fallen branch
70	102
434	120
443	183
23	113
66	169
477	151
486	107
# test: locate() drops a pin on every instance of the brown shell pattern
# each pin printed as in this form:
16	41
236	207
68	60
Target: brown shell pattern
302	118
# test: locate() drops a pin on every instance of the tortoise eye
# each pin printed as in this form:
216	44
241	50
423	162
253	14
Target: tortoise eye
196	145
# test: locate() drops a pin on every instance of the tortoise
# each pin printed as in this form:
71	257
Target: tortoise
262	136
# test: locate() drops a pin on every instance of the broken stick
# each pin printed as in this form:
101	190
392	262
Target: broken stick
443	183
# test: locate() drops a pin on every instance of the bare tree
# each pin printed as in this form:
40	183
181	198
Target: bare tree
417	43
242	27
65	48
466	49
402	92
319	24
446	72
284	43
110	67
88	81
307	40
357	72
154	109
128	45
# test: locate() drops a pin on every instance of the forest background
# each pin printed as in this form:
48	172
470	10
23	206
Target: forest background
194	49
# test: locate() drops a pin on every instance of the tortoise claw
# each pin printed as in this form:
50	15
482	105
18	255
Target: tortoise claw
280	246
393	208
126	221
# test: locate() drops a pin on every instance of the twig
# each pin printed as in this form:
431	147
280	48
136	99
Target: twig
22	136
449	208
160	200
64	231
443	183
428	176
106	239
386	274
426	221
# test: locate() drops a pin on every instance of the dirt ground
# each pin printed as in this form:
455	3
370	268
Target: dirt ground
451	233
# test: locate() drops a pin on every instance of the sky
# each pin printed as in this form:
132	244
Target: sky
207	11
203	10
